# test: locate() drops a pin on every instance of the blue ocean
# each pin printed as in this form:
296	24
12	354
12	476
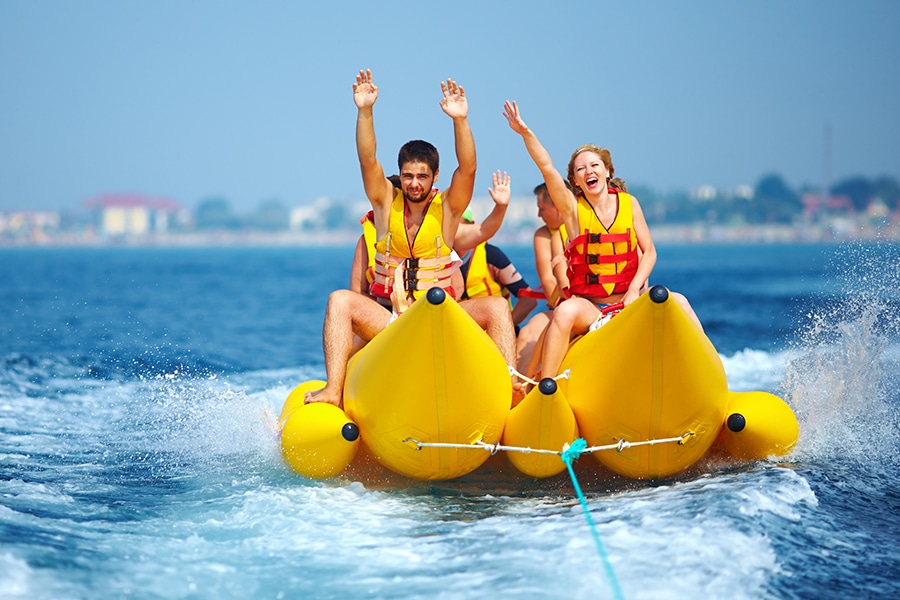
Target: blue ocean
140	390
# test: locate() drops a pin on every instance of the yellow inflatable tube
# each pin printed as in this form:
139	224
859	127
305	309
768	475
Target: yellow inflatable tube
318	440
650	373
759	425
543	420
432	376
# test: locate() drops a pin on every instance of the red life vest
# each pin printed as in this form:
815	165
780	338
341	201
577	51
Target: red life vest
602	261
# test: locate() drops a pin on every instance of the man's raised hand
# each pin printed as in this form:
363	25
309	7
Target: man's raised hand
454	102
364	91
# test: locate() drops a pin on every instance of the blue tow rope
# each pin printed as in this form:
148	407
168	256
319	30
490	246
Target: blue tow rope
570	454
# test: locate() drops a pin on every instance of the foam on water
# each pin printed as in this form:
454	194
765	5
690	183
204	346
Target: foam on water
180	491
171	484
750	369
843	382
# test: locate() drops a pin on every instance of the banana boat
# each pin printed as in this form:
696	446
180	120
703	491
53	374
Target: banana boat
431	393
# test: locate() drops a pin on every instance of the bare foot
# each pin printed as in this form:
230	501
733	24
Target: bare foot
518	393
326	394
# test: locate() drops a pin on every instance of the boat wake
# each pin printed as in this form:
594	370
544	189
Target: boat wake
843	381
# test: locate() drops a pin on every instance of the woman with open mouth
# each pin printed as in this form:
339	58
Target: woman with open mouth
610	251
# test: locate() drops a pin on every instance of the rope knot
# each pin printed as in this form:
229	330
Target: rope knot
572	451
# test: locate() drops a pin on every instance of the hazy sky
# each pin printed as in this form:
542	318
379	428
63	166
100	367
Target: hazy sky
252	100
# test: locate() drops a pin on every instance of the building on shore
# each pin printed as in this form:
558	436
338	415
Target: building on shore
132	214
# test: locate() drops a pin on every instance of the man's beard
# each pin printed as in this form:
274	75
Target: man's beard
409	198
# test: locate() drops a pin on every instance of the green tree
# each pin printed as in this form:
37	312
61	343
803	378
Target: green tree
335	216
773	201
859	189
888	190
215	213
272	215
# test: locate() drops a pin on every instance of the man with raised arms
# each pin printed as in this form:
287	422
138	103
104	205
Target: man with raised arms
415	231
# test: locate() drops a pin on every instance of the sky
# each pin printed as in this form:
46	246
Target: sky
252	101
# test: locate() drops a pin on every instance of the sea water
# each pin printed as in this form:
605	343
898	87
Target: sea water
139	394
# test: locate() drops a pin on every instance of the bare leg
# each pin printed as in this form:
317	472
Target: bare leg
358	344
528	341
347	313
574	316
533	369
683	301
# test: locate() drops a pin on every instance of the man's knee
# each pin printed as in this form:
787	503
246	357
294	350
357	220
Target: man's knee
488	311
342	301
496	306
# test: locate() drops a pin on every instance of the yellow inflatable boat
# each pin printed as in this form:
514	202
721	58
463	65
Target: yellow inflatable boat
651	374
432	378
429	398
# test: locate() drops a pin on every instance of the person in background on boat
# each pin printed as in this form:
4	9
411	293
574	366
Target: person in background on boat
550	263
415	228
588	206
362	269
488	271
470	234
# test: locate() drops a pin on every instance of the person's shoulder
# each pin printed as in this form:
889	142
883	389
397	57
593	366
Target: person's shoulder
542	237
495	255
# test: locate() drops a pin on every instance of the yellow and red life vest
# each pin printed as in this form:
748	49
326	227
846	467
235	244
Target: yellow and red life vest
426	259
479	281
368	226
562	234
602	261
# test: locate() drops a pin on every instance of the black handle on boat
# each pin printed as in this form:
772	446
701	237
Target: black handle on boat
659	294
547	386
435	295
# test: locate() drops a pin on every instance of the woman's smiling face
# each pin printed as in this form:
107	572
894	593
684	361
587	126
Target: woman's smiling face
590	172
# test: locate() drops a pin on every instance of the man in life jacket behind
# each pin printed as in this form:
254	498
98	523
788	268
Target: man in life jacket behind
415	231
549	243
489	272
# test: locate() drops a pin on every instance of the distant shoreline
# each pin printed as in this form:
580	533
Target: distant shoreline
662	234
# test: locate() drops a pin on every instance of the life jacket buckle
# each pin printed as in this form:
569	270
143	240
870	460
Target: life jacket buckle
410	281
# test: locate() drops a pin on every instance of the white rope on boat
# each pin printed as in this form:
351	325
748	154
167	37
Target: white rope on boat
495	448
527	379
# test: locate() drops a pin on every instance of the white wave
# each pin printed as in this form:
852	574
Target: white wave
15	577
842	380
750	369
